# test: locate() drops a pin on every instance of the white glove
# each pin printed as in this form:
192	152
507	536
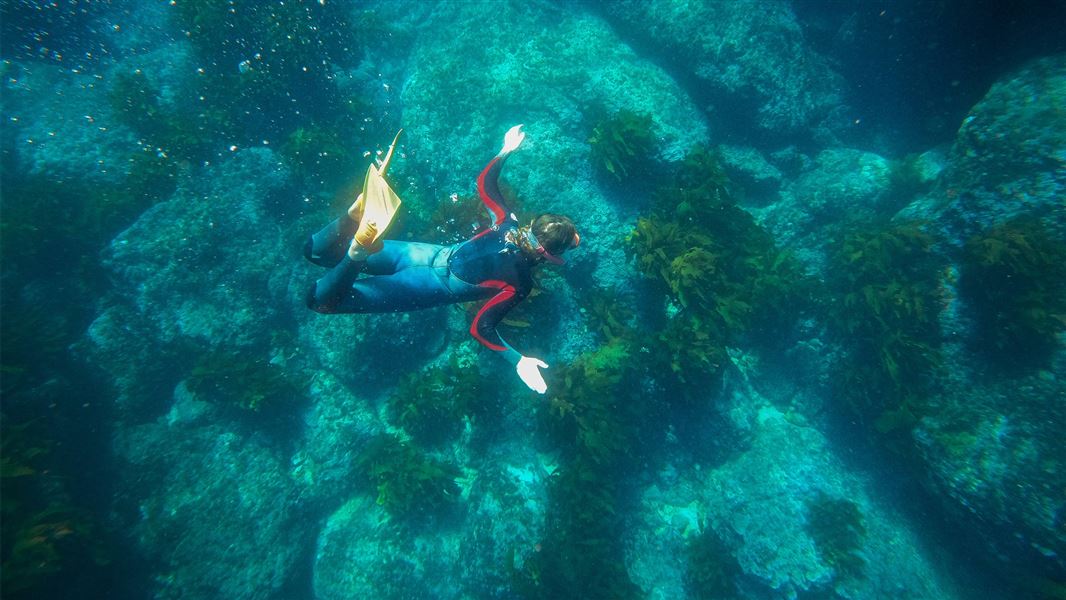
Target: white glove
513	138
529	370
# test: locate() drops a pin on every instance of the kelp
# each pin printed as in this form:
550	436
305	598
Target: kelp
607	316
837	528
409	484
622	144
45	535
432	405
711	568
885	283
591	418
724	271
1013	280
244	381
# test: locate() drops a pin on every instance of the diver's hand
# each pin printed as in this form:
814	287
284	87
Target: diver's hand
529	370
513	139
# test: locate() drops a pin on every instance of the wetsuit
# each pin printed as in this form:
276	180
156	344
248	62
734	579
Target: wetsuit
411	275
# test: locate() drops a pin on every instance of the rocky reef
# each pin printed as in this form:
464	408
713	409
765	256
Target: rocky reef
990	441
746	64
767	334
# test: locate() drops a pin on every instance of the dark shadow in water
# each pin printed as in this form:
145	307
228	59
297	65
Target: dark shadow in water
916	67
86	460
913	67
954	550
722	118
299	585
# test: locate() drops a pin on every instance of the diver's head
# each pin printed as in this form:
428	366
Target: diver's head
550	235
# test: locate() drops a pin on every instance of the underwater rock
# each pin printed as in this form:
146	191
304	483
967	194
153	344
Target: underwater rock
790	518
213	511
844	183
929	165
363	552
193	273
214	241
749	169
991	440
747	62
58	124
360	554
990	447
993	452
369	352
841	184
456	116
335	426
760	504
1009	156
212	505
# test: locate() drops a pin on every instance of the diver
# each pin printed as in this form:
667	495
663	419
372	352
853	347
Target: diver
495	265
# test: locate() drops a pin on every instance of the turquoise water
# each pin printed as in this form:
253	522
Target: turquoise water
811	344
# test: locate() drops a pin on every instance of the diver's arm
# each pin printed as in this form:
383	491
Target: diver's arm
484	330
488	186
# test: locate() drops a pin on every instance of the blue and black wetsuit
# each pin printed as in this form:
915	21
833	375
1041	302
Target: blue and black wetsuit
411	275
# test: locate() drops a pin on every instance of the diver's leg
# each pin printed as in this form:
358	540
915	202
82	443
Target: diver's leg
405	278
396	255
410	288
327	247
326	294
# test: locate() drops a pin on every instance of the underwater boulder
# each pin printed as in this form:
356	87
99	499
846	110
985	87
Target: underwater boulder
359	555
190	341
194	274
471	548
747	63
369	352
839	184
214	512
752	172
990	442
783	517
843	183
557	81
1009	156
992	451
335	426
58	124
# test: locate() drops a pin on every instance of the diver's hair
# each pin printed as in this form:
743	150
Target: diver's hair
554	232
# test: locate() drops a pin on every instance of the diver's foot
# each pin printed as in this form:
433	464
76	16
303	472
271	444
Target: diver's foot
364	244
366	234
355	211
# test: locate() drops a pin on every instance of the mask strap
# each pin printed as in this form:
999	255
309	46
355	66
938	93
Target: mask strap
540	249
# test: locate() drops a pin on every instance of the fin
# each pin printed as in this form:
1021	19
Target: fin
380	203
388	156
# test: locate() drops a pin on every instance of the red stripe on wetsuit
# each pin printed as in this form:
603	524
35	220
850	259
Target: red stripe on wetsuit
506	293
492	198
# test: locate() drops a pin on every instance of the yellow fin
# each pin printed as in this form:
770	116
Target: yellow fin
381	203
